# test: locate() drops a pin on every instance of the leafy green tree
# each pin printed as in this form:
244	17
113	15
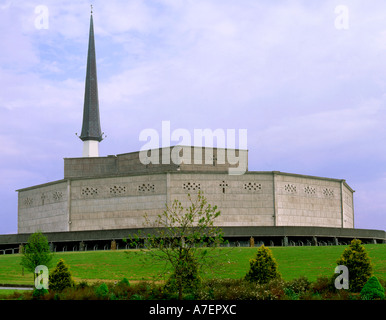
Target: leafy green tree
36	252
372	290
263	268
183	239
356	259
60	278
188	272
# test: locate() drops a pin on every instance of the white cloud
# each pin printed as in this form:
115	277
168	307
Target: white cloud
302	88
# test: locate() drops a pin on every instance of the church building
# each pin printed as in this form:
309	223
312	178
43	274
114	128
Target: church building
106	198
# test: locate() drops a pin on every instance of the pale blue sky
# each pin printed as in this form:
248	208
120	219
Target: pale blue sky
311	96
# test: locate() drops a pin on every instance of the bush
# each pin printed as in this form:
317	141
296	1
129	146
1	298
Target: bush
359	266
372	290
226	289
263	268
121	289
124	282
324	286
321	285
185	277
240	289
273	290
291	294
39	293
82	284
297	287
61	277
102	291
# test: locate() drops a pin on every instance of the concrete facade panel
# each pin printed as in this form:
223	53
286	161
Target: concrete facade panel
93	201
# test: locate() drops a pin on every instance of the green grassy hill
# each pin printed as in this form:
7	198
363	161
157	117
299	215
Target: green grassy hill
293	262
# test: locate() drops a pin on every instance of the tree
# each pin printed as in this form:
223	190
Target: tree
187	272
263	267
358	263
372	290
184	239
36	252
61	277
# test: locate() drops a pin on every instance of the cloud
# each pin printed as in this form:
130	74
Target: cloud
311	96
326	129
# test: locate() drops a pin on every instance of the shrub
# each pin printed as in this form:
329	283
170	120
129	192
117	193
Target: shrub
322	288
61	277
273	290
240	289
146	291
121	289
102	291
39	293
82	284
124	282
263	268
185	276
372	290
227	289
321	285
291	294
299	285
359	266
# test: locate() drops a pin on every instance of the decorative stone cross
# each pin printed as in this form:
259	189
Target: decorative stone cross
223	185
43	197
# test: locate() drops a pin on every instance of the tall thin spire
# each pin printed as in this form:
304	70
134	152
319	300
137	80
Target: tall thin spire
91	128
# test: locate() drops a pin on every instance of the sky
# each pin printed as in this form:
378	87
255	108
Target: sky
306	79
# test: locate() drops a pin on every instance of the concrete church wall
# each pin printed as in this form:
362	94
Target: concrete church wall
251	199
306	201
244	200
44	208
115	203
348	207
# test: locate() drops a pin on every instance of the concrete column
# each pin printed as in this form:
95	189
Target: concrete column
274	200
285	241
69	205
168	199
336	241
90	148
352	206
314	241
341	205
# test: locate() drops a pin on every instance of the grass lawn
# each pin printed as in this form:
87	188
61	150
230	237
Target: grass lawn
293	262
